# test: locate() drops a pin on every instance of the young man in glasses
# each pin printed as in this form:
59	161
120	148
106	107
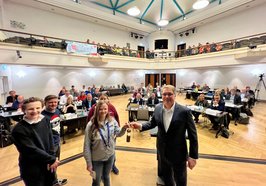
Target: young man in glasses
173	120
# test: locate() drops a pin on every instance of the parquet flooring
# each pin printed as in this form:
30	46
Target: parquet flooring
248	141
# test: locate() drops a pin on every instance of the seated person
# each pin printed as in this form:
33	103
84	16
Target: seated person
216	104
138	99
18	103
88	102
69	107
193	86
251	96
200	102
102	88
234	98
82	96
63	99
62	92
205	88
12	97
153	100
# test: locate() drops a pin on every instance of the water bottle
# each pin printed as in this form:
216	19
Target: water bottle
128	135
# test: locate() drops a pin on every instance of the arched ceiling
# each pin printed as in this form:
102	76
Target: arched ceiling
113	13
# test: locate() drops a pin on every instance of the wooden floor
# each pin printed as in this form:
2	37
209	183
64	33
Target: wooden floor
217	165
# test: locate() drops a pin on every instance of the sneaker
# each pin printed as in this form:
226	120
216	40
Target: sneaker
60	182
115	170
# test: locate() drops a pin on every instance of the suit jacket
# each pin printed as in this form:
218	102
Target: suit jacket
237	98
140	102
221	106
156	101
172	145
85	103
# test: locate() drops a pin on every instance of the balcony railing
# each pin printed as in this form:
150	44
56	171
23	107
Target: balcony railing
91	48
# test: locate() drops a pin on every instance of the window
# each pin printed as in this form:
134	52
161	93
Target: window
161	44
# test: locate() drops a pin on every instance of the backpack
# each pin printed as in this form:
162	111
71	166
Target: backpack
243	118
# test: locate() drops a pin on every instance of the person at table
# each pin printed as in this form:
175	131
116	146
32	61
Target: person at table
18	103
201	102
113	113
216	104
53	114
99	143
33	139
63	99
82	96
88	102
138	99
153	100
173	120
193	86
69	107
12	97
234	98
205	88
62	92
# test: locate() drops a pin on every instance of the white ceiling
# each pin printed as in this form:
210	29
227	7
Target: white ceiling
113	12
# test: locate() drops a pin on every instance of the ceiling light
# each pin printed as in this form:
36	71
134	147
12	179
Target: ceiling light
134	11
163	22
199	4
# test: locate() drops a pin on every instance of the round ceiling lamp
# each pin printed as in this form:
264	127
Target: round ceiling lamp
199	4
163	22
134	11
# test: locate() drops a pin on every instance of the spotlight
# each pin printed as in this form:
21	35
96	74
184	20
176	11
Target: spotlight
18	54
187	33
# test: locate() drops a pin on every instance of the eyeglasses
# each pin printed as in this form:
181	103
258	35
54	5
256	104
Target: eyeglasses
167	94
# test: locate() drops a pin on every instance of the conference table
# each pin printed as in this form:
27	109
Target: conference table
72	121
210	112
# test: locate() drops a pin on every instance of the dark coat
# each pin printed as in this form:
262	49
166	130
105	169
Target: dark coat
171	145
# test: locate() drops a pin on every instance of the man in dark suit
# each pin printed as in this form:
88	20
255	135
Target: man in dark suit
12	97
235	99
88	102
153	100
173	120
138	99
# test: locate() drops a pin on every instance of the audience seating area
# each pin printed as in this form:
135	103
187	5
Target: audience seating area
49	42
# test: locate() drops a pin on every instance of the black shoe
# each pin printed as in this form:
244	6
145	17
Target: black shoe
60	182
115	170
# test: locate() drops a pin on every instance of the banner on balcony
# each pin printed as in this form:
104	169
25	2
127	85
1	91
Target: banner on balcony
81	48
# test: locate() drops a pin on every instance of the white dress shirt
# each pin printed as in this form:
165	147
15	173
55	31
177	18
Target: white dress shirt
167	116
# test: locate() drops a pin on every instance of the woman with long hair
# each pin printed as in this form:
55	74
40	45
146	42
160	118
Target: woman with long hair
99	143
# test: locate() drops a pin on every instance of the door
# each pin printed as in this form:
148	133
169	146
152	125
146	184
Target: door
152	79
141	50
168	79
181	50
